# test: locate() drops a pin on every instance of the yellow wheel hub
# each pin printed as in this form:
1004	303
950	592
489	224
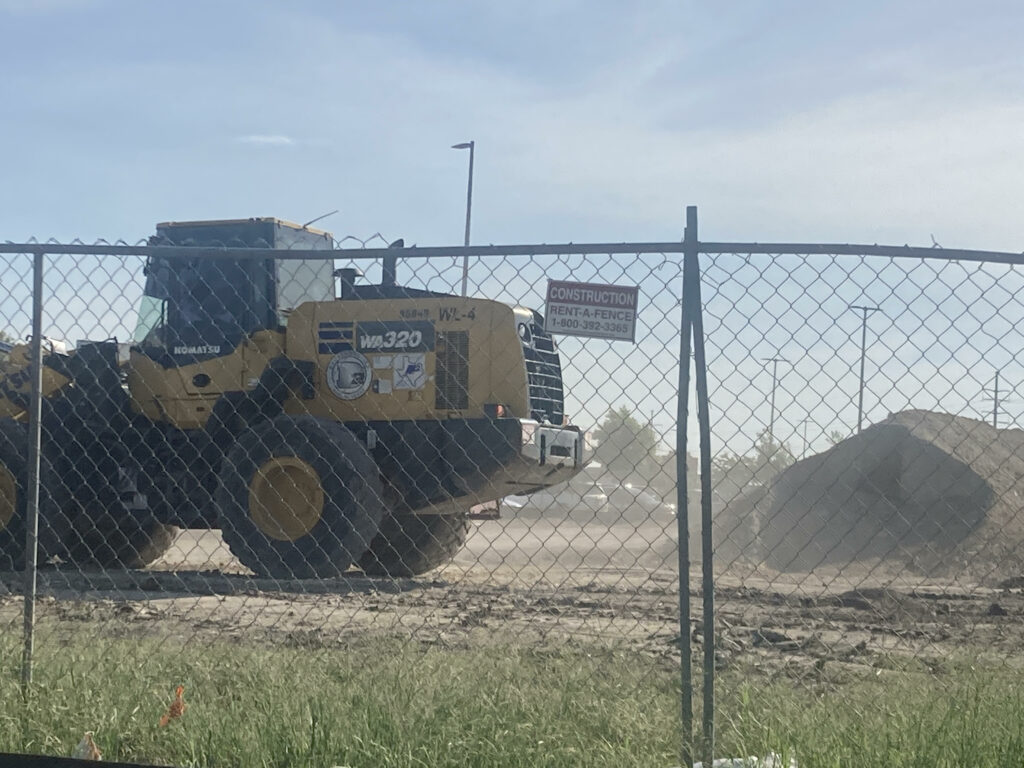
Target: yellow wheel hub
286	499
8	496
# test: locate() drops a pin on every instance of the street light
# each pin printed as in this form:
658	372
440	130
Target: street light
863	352
775	383
471	146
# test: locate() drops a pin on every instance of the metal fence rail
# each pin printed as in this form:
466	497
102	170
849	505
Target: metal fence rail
857	465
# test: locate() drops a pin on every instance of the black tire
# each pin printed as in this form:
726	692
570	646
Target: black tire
13	442
410	545
349	487
105	540
13	466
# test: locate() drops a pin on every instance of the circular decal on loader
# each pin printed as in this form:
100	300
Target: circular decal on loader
348	375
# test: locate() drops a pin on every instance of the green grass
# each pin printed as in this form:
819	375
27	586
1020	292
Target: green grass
961	718
388	703
373	704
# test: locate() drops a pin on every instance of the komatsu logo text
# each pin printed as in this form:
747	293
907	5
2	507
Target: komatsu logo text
203	349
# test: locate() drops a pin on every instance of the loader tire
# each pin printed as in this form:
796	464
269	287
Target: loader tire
13	482
410	545
13	442
105	540
299	497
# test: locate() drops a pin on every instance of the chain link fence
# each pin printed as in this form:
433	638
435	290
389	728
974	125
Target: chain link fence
328	453
867	482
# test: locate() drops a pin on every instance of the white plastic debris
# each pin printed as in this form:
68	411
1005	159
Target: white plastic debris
771	760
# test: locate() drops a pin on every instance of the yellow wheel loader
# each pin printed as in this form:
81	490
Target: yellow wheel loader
317	429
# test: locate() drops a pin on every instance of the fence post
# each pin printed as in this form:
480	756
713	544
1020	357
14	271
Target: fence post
692	275
32	483
682	502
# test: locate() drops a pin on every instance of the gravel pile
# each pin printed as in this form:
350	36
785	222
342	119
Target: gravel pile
940	494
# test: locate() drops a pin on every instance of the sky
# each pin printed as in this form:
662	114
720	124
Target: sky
594	121
870	122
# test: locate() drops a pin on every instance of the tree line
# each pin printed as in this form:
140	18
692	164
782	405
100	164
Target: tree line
630	450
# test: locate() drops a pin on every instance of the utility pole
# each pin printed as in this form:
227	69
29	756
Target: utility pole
863	353
471	146
995	403
775	383
804	424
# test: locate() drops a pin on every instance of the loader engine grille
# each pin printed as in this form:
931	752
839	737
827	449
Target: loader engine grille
543	372
452	371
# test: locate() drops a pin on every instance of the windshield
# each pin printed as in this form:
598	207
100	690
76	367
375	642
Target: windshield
151	320
199	303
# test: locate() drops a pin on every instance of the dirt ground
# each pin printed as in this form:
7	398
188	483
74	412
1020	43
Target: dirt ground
551	583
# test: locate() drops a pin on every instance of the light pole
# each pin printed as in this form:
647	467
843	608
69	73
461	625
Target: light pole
863	352
471	146
775	383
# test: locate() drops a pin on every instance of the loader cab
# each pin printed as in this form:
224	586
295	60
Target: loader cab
199	308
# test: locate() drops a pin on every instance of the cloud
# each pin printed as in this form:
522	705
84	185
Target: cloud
26	7
912	144
266	140
895	164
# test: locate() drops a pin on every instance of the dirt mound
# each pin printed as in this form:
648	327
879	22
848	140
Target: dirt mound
941	493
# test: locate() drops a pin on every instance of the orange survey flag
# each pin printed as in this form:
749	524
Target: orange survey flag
87	749
177	708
